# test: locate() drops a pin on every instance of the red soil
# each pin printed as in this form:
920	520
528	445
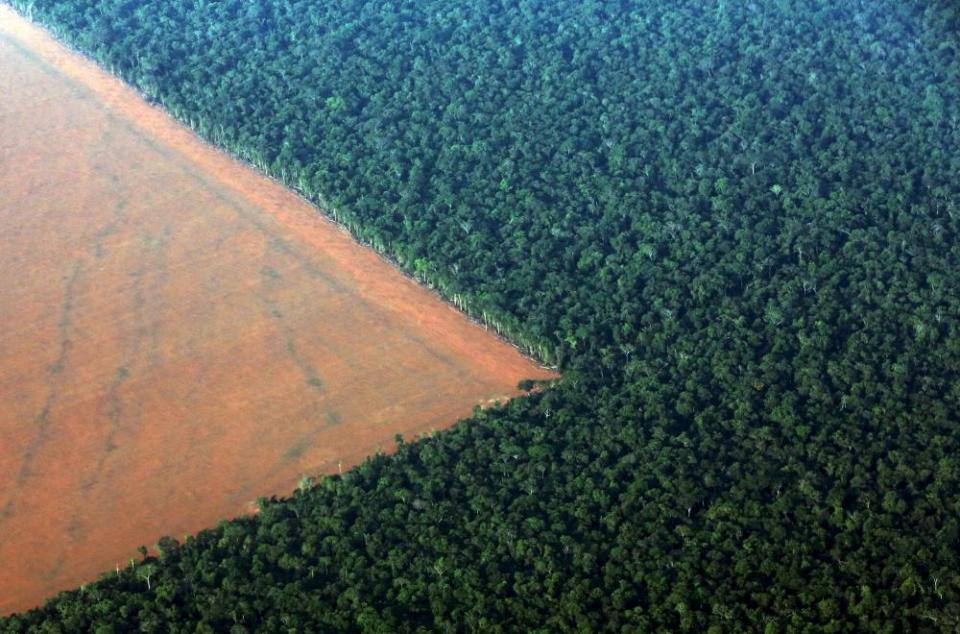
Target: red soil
180	335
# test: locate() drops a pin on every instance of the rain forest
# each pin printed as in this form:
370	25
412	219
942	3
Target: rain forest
734	227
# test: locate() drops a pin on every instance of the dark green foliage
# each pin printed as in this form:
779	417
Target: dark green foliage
734	226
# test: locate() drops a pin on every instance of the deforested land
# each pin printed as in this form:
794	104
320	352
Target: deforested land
180	335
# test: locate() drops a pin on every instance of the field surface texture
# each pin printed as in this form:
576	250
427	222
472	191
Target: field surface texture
179	335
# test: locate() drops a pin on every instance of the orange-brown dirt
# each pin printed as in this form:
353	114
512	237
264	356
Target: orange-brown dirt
180	335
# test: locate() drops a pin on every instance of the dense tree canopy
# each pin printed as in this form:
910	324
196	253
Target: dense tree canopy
734	225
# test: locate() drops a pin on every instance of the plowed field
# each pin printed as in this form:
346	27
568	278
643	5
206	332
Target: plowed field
179	335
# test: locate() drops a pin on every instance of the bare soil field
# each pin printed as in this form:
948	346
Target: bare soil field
179	335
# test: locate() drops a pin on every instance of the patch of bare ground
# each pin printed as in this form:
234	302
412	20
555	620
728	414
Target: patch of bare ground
180	335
